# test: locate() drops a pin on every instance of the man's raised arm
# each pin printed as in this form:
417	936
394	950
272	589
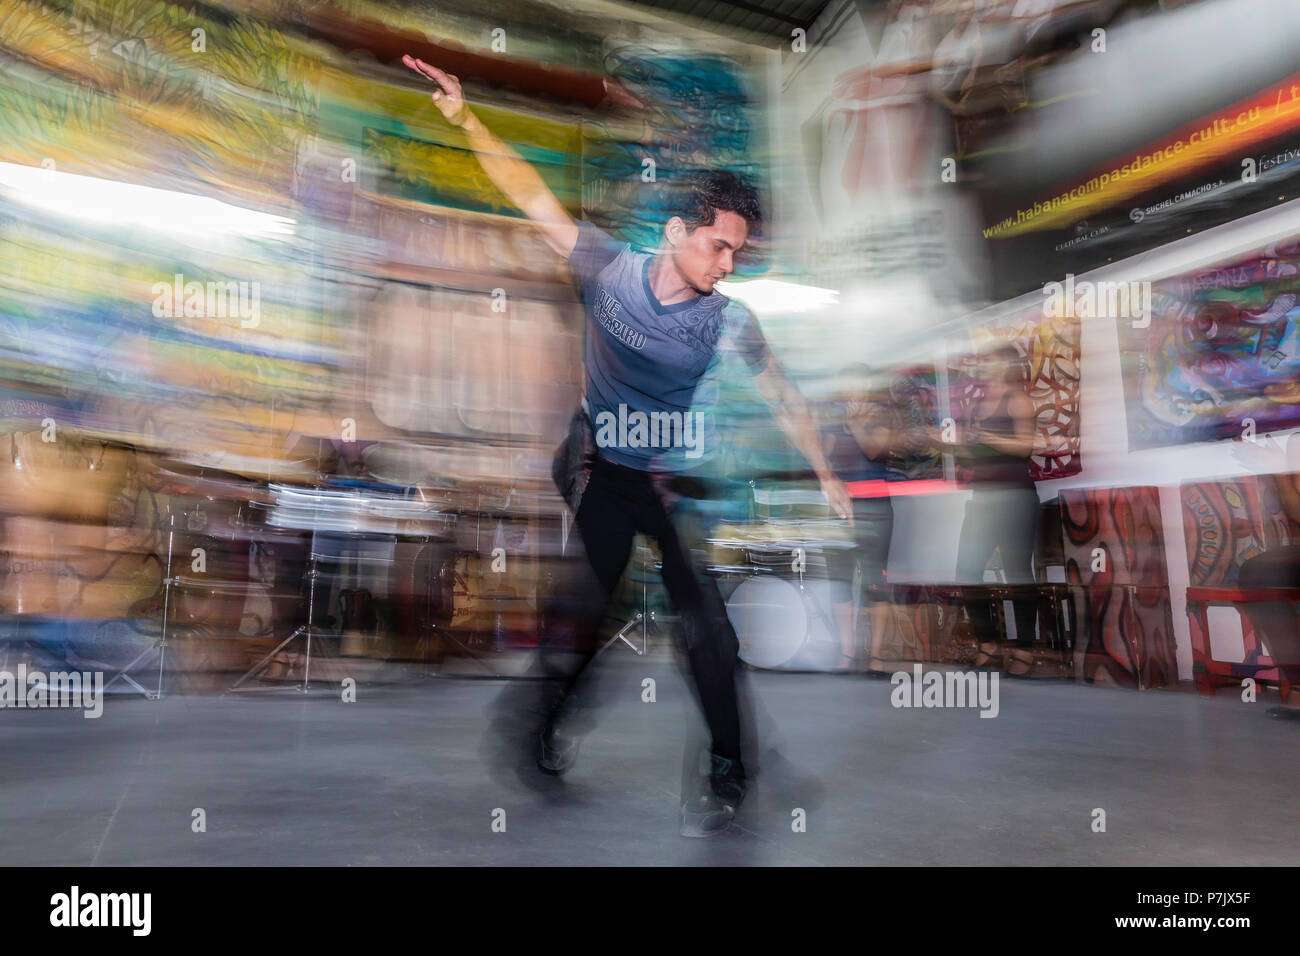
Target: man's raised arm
508	171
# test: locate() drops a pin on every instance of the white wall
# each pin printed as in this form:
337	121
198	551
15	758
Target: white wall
927	530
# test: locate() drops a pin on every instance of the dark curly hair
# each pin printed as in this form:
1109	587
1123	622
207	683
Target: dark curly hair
707	192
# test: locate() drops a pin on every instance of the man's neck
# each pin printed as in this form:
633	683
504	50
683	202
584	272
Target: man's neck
667	285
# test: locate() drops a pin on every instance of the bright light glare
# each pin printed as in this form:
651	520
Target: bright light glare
117	204
774	297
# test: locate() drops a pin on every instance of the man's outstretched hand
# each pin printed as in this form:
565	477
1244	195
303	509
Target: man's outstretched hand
448	97
838	497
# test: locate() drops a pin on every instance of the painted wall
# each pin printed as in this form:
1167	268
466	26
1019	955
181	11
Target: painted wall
866	328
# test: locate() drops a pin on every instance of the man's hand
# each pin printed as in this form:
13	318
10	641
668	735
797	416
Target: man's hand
1262	456
508	171
448	97
837	495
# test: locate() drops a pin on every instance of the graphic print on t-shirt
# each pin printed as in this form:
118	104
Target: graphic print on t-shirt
698	328
606	308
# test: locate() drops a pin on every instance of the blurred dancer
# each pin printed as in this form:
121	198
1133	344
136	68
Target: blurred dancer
654	322
857	445
1002	513
1275	622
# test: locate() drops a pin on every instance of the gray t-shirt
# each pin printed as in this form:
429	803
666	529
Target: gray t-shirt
644	360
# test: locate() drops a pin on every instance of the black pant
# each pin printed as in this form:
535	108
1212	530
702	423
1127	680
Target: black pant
1003	518
1275	622
618	503
873	529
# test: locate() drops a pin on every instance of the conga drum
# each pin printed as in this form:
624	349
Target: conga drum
61	553
421	586
74	477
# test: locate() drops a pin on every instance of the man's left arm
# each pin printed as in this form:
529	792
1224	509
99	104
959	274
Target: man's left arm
788	407
790	410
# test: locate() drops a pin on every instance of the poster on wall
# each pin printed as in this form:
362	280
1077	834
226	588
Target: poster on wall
1049	346
1220	358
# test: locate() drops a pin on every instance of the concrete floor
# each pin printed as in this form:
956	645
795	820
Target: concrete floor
413	771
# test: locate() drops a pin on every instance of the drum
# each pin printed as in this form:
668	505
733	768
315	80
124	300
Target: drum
770	620
779	547
71	570
210	563
74	478
780	627
422	587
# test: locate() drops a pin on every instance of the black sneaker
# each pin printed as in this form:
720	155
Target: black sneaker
712	811
707	816
556	753
726	777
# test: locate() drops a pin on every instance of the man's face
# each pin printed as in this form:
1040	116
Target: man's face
706	255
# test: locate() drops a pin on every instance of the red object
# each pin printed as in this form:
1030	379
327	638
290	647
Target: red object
388	46
877	488
1210	673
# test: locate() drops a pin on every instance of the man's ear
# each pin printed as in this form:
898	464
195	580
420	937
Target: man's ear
675	231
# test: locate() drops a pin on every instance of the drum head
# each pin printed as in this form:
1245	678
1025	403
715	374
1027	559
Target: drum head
770	620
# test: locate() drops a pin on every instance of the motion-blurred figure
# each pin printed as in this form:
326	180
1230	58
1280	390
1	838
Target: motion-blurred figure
1275	622
1002	513
654	323
858	443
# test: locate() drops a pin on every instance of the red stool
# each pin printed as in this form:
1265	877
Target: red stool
1210	673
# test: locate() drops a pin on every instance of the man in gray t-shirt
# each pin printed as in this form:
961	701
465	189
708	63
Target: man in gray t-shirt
653	326
644	359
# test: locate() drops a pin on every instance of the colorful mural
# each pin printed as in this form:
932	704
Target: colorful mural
1221	355
1228	522
241	247
1115	564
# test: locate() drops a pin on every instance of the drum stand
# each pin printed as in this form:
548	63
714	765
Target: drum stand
446	633
302	630
818	611
813	607
431	631
160	645
645	617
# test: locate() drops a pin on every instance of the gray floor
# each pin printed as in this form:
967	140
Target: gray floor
410	774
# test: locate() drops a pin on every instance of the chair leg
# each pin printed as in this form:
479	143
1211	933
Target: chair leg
1205	681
